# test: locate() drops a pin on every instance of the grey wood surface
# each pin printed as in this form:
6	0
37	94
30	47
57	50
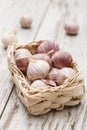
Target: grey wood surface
49	17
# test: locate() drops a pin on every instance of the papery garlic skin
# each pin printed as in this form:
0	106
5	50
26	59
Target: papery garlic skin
71	28
8	38
22	58
38	84
26	21
48	46
63	74
49	82
37	69
43	57
62	59
53	74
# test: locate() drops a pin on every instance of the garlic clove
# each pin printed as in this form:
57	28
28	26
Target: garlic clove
8	38
63	74
26	21
48	46
22	58
71	27
38	84
62	59
37	69
44	57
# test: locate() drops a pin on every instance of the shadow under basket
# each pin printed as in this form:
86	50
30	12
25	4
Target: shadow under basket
70	93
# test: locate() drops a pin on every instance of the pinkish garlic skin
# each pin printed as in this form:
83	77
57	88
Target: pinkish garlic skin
71	28
47	46
22	59
63	74
49	82
62	59
26	21
53	74
37	69
44	57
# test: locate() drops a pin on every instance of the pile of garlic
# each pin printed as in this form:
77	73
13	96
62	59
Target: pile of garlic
49	66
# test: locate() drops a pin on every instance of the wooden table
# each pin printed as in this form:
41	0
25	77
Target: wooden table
49	17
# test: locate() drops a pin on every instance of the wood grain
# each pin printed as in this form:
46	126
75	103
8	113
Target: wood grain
15	115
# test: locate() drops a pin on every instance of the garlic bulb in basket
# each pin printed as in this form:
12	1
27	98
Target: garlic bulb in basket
63	74
62	59
48	46
37	69
38	84
22	58
43	57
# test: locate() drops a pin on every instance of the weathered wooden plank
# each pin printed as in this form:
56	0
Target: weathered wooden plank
51	24
13	10
5	85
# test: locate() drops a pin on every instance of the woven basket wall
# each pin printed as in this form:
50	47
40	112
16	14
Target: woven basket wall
42	101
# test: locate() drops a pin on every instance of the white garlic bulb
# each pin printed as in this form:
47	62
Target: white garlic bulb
37	69
63	74
38	84
26	21
8	38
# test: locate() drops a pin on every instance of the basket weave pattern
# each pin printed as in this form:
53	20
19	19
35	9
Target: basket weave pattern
41	101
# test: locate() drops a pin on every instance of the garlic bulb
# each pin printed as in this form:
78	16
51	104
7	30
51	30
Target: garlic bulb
63	74
48	46
71	28
8	38
38	84
37	69
53	73
49	82
61	59
43	57
26	21
22	58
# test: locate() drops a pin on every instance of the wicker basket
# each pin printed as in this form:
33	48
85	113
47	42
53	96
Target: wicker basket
42	101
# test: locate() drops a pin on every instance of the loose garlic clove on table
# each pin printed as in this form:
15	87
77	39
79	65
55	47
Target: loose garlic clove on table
71	28
26	21
8	38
